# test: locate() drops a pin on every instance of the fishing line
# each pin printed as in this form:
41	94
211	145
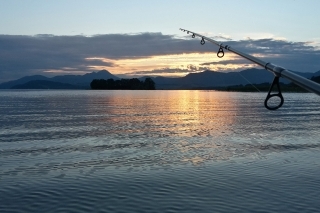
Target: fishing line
249	82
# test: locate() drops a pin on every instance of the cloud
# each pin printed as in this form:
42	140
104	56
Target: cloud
299	56
226	62
28	55
161	71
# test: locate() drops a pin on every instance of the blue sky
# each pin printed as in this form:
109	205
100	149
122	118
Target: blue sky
293	22
296	20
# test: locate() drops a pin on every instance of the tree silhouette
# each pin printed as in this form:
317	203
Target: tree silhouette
123	84
149	84
316	79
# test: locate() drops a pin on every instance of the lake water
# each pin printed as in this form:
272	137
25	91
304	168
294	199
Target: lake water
158	151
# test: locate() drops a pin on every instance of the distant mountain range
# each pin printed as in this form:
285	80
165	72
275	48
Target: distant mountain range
210	79
44	84
76	81
205	79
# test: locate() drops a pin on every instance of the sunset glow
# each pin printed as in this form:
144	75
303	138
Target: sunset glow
170	65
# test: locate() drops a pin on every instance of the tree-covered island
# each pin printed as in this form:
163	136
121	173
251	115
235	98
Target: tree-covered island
123	84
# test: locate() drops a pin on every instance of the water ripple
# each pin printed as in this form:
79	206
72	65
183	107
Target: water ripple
157	151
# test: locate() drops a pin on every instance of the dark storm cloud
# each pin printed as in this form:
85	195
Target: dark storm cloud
26	55
299	56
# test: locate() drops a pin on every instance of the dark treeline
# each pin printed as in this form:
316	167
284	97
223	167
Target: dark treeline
125	84
316	79
291	87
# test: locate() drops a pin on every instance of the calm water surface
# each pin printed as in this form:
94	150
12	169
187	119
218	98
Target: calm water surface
158	151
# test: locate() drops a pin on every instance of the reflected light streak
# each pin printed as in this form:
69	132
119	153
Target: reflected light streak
190	124
201	115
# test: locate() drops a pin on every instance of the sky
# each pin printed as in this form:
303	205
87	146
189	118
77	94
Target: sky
139	37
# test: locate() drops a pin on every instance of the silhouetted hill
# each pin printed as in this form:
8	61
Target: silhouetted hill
205	79
44	84
80	81
209	78
212	79
10	84
308	75
84	80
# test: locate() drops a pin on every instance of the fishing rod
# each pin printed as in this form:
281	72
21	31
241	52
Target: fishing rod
276	70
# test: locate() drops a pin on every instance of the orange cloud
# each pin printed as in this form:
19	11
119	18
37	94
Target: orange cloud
187	62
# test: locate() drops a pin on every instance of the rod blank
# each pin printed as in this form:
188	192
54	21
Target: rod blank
277	70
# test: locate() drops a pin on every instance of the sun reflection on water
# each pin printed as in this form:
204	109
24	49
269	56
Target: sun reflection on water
146	128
